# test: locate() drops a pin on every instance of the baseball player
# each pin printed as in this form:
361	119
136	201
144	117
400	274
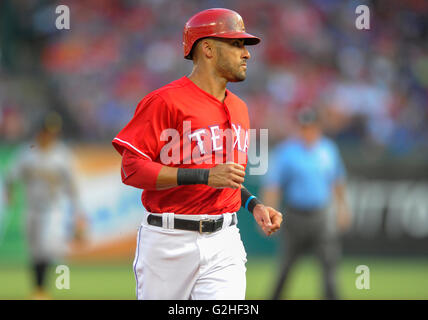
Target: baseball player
45	170
186	146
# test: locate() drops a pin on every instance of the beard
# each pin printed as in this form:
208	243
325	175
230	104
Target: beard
238	76
230	71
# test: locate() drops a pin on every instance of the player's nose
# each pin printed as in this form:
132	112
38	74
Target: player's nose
246	54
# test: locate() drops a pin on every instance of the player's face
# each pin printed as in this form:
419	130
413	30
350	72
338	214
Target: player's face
310	133
46	139
231	59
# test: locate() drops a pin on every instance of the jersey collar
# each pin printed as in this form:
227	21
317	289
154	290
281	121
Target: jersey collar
192	84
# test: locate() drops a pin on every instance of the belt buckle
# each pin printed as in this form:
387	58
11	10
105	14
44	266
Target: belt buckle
200	225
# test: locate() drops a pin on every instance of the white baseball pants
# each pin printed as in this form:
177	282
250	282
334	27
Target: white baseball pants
180	264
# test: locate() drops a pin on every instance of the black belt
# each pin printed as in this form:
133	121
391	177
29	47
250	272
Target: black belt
203	226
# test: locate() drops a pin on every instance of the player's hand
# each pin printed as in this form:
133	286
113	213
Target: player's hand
267	218
343	220
80	230
227	175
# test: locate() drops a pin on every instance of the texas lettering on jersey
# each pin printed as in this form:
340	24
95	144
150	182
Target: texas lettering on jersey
180	125
205	145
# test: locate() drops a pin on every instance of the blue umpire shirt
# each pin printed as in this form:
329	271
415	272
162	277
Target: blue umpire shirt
305	174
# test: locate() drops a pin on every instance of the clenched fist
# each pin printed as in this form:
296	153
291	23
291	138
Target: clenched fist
267	218
228	175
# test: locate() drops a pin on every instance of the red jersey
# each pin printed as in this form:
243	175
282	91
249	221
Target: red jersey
181	125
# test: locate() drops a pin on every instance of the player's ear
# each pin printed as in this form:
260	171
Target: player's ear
207	47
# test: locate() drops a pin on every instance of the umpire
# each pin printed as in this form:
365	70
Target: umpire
305	176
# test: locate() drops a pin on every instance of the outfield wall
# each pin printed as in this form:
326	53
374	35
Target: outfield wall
390	216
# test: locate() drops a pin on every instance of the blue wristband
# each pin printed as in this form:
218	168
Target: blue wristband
248	201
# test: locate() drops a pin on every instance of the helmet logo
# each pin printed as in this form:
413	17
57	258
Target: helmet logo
237	24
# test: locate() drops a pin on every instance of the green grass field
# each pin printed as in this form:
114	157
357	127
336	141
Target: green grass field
390	278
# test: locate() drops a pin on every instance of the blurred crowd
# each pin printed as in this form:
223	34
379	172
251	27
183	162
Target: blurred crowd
371	86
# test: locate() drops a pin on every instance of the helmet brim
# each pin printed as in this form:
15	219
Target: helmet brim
249	39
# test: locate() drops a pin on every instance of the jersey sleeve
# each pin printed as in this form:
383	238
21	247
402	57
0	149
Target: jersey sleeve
139	172
142	134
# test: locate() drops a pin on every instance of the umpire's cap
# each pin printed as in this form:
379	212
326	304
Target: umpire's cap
307	116
217	22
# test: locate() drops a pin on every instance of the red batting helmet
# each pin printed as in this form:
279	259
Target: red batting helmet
218	22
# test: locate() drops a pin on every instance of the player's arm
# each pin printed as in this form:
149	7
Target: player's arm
79	221
343	215
143	173
267	217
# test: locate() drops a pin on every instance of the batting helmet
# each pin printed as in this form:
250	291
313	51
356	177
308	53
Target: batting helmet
217	22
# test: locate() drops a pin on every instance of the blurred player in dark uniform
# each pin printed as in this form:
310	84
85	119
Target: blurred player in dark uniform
306	174
46	171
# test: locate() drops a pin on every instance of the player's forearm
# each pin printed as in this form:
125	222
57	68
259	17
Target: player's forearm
266	217
148	175
71	189
167	178
340	199
248	200
145	174
340	194
343	214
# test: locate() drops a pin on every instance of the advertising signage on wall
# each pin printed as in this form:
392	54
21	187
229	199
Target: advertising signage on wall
389	209
388	216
